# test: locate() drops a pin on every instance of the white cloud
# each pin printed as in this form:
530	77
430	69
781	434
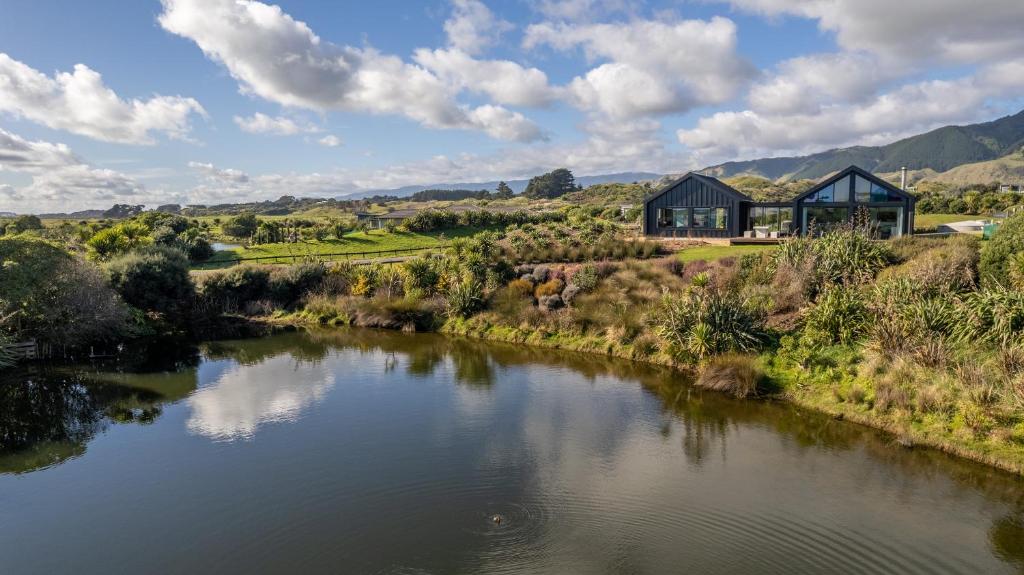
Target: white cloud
652	67
473	27
220	175
260	123
59	177
504	81
904	111
79	102
807	83
280	59
912	30
330	141
576	10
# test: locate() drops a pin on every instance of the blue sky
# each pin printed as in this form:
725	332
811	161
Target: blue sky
200	101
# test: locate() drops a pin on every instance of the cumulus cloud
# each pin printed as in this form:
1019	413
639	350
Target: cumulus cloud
79	102
329	141
473	27
280	59
221	175
652	67
901	112
260	123
911	30
59	177
504	81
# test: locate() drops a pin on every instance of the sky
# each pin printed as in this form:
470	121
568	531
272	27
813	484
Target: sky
209	101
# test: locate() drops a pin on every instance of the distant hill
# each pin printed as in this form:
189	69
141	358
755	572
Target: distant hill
1007	170
940	150
517	185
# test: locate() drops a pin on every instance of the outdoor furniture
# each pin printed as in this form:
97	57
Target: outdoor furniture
761	231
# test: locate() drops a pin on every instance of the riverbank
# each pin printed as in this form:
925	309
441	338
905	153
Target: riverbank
778	382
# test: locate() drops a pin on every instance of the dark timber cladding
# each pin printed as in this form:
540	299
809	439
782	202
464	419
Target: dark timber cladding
695	206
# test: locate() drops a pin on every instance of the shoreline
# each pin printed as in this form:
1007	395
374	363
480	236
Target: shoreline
908	438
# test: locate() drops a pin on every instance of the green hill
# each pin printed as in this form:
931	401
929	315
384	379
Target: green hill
940	150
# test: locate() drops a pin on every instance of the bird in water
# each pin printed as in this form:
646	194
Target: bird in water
496	519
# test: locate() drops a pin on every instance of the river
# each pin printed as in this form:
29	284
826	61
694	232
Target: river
360	451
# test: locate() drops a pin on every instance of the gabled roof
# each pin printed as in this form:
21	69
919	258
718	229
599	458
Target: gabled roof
860	172
707	180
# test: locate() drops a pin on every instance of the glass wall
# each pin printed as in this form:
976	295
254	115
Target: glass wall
888	222
710	218
770	219
681	217
824	219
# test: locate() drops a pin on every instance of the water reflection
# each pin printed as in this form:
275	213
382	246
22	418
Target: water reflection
246	396
405	445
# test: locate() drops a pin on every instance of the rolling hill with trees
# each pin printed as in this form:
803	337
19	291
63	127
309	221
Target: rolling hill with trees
940	150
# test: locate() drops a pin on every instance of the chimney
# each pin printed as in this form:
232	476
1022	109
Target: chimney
903	178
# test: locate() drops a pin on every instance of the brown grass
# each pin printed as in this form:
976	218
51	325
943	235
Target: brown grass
735	374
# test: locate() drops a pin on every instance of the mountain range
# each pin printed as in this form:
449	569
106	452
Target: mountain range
936	151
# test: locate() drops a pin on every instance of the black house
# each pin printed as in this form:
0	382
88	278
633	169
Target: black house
695	206
702	206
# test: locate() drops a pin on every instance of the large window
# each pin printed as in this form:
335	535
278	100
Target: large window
681	217
824	219
771	219
673	217
701	216
868	192
888	222
832	193
664	218
719	218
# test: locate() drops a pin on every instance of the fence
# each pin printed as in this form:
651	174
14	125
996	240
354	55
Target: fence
21	350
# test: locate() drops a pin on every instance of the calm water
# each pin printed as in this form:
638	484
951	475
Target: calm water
371	452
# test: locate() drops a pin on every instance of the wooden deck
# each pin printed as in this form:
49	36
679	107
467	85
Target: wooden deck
755	241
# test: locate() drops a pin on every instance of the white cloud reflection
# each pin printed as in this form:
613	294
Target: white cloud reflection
246	397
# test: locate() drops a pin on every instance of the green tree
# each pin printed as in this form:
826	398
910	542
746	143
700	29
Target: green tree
504	192
241	226
24	223
553	184
154	278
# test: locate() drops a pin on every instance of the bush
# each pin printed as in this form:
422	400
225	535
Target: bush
586	278
118	240
995	315
421	275
288	284
54	297
552	287
704	322
520	289
153	279
947	266
732	373
998	254
465	297
230	290
840	316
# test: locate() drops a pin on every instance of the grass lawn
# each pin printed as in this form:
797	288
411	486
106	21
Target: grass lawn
354	243
932	221
712	253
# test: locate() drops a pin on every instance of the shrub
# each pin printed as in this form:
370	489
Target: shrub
117	240
421	275
993	315
520	289
705	321
586	278
949	266
997	255
154	279
840	316
731	373
465	297
230	290
288	284
552	287
52	296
